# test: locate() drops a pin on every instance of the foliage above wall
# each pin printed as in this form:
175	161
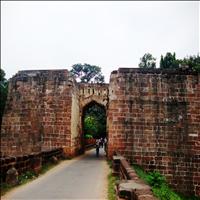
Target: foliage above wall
188	63
87	73
191	62
147	61
169	61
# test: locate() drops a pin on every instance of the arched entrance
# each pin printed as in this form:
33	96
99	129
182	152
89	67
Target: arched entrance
93	123
92	96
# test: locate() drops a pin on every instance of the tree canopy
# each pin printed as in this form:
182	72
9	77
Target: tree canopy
147	61
191	62
87	73
169	61
95	121
3	93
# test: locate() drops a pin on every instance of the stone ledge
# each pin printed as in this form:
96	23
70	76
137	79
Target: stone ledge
32	162
130	186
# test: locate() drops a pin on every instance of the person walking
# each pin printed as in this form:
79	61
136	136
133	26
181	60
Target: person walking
105	145
97	147
101	142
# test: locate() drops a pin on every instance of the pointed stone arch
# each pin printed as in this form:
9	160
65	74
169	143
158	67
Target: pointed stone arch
91	94
90	104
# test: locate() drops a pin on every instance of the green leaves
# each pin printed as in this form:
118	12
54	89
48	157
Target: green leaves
112	180
95	121
191	63
88	136
165	193
3	93
26	176
159	185
90	125
147	61
169	61
87	73
155	179
2	76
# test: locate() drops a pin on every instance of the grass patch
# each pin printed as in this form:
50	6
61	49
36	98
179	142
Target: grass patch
112	180
22	179
5	188
111	186
26	177
159	185
140	172
109	163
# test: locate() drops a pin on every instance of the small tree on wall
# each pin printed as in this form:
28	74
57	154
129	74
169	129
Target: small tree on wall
147	61
169	61
87	73
191	62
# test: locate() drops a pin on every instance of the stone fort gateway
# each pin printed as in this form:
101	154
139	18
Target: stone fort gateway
153	118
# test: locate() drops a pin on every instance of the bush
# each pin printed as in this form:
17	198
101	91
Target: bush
140	172
111	186
155	179
88	136
26	176
159	186
165	193
196	68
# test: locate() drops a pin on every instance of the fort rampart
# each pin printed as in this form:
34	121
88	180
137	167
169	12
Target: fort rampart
153	118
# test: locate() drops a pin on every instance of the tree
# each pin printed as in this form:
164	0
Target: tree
87	73
190	63
90	126
95	121
169	61
147	61
3	93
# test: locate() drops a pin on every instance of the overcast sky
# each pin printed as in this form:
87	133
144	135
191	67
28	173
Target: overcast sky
56	35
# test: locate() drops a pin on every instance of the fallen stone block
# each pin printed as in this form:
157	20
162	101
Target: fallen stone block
134	190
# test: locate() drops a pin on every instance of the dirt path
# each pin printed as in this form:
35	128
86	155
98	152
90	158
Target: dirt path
84	177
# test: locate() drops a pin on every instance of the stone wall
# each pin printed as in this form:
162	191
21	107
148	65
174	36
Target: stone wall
130	186
154	120
28	162
93	92
76	137
38	112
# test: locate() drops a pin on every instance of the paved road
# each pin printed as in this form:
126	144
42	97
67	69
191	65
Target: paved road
84	177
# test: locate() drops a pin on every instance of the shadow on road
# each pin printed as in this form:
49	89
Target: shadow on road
91	154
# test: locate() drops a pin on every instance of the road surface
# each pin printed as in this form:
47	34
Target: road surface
84	177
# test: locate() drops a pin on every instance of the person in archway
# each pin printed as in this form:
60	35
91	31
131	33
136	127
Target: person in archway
101	142
97	147
105	145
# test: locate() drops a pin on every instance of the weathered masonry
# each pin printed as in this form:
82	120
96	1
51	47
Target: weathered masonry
153	118
44	110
